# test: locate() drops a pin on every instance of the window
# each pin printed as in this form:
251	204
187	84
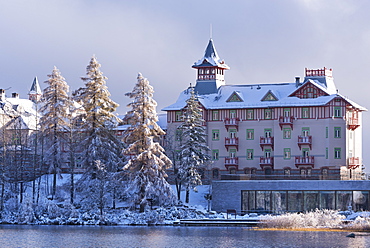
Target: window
287	171
268	153
232	153
215	134
268	114
249	154
305	152
309	172
324	172
286	112
253	171
303	172
337	153
287	133
327	132
250	134
215	116
215	155
232	113
232	133
305	113
337	112
287	154
268	132
178	116
305	131
326	153
250	114
337	132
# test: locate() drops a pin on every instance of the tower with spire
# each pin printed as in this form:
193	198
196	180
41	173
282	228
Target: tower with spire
210	71
35	92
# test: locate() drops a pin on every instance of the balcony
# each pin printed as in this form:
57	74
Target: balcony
304	161
267	162
353	122
269	141
286	120
304	140
231	162
353	162
231	123
234	142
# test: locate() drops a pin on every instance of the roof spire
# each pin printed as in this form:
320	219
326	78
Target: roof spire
35	92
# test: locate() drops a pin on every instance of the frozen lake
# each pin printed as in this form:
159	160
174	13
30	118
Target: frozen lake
168	236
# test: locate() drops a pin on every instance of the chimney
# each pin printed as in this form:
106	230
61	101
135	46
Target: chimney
2	95
15	95
297	83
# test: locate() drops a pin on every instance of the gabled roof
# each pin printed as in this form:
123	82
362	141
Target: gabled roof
236	96
270	96
316	84
35	88
210	58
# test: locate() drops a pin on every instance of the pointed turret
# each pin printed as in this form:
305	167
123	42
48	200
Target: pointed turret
210	71
35	92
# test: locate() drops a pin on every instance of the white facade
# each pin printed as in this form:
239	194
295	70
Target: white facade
298	130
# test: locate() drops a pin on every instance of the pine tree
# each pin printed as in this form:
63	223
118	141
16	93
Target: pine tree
54	121
193	153
99	121
147	159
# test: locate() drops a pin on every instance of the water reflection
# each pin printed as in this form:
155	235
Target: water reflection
128	236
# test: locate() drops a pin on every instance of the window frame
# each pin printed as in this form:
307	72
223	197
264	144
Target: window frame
337	132
215	155
305	113
287	154
250	152
250	132
215	134
337	153
287	133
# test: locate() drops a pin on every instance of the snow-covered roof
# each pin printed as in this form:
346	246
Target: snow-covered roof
210	58
253	96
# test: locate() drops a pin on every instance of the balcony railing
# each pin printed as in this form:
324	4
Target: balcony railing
231	122
266	141
286	120
266	162
231	142
353	122
304	140
231	162
307	161
353	162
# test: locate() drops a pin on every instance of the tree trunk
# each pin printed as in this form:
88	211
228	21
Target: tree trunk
187	195
54	185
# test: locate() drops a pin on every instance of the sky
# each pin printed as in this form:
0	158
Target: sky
264	41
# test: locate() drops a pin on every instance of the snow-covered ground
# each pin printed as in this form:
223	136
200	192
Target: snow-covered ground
60	212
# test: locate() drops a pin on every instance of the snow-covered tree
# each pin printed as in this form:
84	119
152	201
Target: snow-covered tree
193	151
54	121
147	161
98	121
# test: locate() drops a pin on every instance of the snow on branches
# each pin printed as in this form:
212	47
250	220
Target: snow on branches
147	161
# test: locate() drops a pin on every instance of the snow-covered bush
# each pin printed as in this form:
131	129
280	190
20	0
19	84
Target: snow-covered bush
313	219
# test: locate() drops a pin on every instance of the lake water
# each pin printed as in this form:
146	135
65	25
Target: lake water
169	236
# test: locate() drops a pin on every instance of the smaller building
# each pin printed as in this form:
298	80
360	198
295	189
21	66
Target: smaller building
278	196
